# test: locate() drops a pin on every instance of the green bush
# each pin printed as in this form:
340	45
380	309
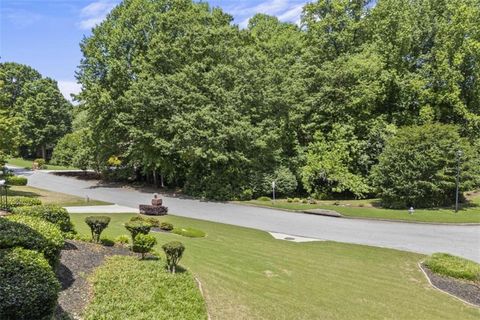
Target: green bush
418	167
28	286
189	232
166	226
143	244
97	224
31	233
452	266
107	242
137	227
173	252
296	199
246	194
285	182
289	200
153	221
122	239
263	199
16	181
41	163
304	201
15	202
52	213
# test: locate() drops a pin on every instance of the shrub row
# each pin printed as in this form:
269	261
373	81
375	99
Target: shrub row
52	213
15	202
17	180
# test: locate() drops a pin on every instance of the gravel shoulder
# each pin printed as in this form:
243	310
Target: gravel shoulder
77	262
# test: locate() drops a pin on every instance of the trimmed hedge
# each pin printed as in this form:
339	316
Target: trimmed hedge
28	286
143	244
137	227
52	213
17	181
166	226
15	202
32	233
452	266
97	224
173	252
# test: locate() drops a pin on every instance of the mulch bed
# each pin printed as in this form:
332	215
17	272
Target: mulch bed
464	290
77	262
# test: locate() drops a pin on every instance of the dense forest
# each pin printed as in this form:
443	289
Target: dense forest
174	92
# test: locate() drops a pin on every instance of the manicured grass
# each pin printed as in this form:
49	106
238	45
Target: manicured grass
27	163
246	274
452	266
49	197
127	288
366	209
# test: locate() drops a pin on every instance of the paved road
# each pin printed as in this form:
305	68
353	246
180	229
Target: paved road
423	238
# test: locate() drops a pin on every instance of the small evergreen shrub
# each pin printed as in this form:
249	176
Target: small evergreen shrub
16	181
32	233
289	200
452	266
173	252
264	199
122	239
28	286
15	202
246	194
296	199
40	163
304	201
143	244
97	224
166	226
137	227
52	213
153	221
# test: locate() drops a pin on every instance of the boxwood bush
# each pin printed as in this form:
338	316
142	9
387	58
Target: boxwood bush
137	227
52	213
32	233
143	244
173	252
153	221
28	286
17	181
15	202
166	226
97	224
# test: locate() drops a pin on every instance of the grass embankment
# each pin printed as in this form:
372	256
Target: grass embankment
127	288
28	163
370	209
246	274
49	197
452	266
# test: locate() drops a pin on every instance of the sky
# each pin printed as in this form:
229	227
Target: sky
45	34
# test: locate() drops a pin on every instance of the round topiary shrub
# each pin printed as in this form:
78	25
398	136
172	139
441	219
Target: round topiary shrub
263	199
15	202
97	224
143	244
32	233
17	181
137	227
174	252
52	213
166	226
28	286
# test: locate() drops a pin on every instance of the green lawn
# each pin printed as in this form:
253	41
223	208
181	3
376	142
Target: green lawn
49	197
123	290
27	163
366	209
246	274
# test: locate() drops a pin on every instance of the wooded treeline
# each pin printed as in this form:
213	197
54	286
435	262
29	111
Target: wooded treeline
173	88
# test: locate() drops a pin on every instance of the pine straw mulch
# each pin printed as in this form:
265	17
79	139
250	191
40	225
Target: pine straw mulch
77	262
468	291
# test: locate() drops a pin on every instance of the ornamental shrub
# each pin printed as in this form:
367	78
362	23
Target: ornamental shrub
263	199
285	182
52	213
137	227
143	244
15	202
97	224
40	163
153	221
16	181
418	167
28	286
166	226
246	195
122	239
32	233
173	251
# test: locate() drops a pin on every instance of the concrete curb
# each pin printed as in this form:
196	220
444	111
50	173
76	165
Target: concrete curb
448	293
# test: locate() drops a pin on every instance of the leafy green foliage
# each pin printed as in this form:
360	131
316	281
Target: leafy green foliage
122	239
17	180
419	166
97	224
164	296
32	233
173	251
28	286
285	182
166	226
52	213
263	198
452	266
153	221
143	243
138	227
17	201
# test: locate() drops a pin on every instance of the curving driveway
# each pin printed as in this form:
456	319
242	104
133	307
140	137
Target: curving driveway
422	238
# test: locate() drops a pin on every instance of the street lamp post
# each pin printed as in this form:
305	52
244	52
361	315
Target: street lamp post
273	190
457	179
